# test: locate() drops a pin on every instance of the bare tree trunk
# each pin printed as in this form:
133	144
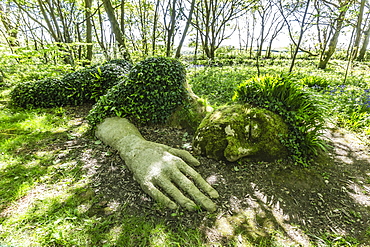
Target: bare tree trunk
79	38
252	37
334	40
89	46
155	24
100	37
188	21
356	43
361	55
123	2
212	20
300	37
277	30
262	34
50	28
196	46
171	30
116	28
143	21
247	41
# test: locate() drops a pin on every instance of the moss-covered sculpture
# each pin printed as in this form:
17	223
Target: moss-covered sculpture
162	172
237	131
76	88
302	110
155	91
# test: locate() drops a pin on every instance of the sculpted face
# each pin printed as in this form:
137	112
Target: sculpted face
238	131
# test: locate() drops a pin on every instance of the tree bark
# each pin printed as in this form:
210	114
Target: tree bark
116	29
171	30
89	47
300	37
155	24
188	21
326	55
361	55
356	43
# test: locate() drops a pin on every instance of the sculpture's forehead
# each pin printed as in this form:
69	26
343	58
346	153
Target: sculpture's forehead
238	115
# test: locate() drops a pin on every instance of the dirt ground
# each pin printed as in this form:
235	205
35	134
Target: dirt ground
296	205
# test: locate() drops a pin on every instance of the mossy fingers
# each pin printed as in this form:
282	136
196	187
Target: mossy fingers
158	196
198	179
184	155
175	193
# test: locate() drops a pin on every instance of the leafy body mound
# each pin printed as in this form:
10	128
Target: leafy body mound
238	131
152	91
300	108
82	86
49	92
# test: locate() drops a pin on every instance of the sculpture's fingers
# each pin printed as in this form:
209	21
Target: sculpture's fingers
158	196
175	193
185	156
187	185
198	179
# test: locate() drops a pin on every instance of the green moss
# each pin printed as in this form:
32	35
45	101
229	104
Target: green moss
238	131
190	115
302	110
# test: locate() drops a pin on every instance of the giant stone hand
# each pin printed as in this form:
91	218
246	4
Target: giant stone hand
161	171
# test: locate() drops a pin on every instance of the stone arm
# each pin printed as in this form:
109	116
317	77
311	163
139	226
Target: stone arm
162	172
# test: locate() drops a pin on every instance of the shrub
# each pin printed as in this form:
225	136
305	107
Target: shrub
301	109
89	84
152	91
76	88
47	92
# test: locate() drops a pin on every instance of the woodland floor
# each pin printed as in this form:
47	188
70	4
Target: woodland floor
297	205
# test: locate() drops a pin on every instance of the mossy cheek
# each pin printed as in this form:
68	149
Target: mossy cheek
207	141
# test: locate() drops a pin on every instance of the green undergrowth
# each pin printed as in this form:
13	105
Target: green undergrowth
22	135
349	100
46	197
302	110
45	193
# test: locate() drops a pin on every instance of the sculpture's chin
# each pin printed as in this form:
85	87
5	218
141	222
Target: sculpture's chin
233	154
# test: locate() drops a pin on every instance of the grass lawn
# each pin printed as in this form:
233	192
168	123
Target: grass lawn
51	186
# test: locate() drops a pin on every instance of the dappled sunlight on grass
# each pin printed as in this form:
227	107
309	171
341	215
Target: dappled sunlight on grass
18	177
159	237
24	135
261	223
47	215
29	128
46	196
34	186
51	193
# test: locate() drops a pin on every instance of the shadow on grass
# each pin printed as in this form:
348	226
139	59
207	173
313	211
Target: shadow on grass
326	204
81	194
